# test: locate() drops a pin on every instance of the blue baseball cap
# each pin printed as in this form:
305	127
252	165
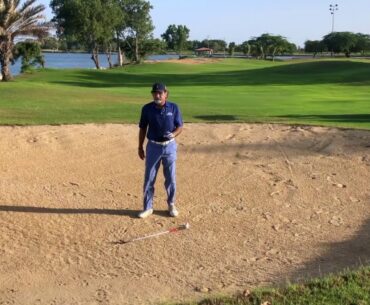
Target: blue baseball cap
159	87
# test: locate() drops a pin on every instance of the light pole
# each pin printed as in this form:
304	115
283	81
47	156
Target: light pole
332	9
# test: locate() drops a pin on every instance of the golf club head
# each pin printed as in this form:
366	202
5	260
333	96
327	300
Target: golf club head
185	226
121	242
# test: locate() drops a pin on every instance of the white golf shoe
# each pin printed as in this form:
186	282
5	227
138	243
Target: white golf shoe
173	211
145	213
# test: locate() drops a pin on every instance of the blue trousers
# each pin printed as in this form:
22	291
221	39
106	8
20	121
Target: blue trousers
155	154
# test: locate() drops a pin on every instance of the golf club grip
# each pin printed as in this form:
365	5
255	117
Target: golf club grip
182	227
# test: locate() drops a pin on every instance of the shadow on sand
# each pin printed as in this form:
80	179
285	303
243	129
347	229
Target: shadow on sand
42	210
301	141
338	256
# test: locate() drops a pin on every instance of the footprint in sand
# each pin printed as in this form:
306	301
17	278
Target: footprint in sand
32	140
131	195
102	296
229	137
244	155
366	160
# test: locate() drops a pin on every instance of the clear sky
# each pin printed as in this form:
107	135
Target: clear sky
239	20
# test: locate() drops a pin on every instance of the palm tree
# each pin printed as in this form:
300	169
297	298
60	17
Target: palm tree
15	21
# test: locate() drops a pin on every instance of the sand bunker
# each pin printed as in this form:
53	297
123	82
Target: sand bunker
267	203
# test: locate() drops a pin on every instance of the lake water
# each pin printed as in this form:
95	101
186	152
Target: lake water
78	60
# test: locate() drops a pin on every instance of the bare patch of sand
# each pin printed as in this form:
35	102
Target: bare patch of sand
266	203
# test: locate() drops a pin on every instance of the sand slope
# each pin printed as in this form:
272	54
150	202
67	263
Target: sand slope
267	203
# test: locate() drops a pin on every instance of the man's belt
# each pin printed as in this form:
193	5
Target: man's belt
164	143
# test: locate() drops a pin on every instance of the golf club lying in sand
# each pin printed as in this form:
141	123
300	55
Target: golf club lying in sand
172	230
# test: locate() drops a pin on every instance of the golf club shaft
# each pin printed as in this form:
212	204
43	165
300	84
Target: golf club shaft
181	227
149	236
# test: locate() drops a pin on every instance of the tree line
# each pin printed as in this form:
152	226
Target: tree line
125	27
340	42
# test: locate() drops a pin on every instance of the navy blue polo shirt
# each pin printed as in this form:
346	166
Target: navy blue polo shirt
160	120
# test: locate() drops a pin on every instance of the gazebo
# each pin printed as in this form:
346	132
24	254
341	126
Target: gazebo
203	51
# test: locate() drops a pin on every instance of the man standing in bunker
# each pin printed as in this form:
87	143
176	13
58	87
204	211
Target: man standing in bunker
161	123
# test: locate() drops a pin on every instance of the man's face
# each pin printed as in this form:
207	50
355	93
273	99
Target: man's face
160	95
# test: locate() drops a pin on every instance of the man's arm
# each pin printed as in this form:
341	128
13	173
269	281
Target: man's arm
178	122
177	131
142	134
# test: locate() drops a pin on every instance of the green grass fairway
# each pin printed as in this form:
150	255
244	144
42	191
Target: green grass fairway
321	92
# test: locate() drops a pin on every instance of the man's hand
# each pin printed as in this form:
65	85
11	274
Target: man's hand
141	153
169	135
